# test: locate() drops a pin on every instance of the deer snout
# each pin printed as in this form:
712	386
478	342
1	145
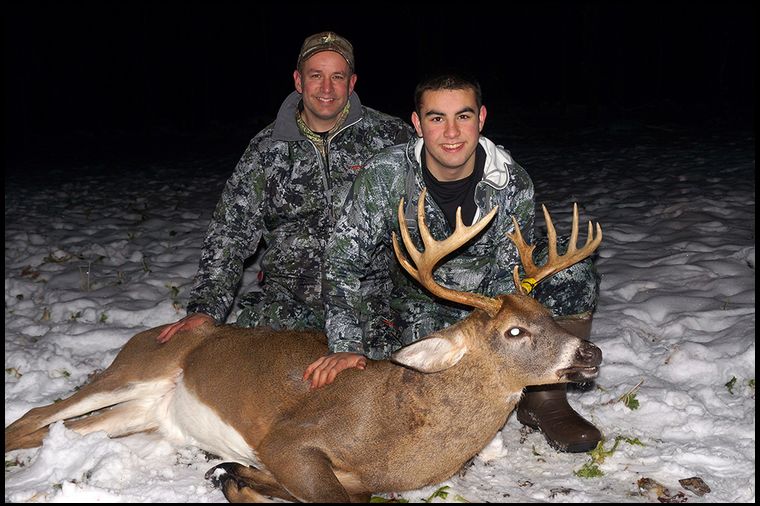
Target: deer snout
589	354
586	363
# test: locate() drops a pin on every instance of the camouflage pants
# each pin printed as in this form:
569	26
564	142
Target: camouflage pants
276	309
281	311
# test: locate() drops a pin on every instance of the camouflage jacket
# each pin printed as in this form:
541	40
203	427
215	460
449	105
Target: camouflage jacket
361	244
284	192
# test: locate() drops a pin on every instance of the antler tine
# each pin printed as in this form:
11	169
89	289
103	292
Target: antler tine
436	250
551	233
525	250
574	230
410	248
555	262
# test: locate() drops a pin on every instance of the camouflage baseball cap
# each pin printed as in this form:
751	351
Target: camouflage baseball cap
326	41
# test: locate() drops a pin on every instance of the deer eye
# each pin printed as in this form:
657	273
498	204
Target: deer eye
514	332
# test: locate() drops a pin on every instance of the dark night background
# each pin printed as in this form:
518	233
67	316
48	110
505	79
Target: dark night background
99	82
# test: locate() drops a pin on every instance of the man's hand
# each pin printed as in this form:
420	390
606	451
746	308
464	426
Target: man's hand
324	370
188	322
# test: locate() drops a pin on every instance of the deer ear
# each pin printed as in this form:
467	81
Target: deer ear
432	354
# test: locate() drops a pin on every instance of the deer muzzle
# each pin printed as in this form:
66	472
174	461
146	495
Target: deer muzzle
587	359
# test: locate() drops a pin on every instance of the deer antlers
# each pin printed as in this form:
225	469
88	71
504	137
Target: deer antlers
555	263
436	250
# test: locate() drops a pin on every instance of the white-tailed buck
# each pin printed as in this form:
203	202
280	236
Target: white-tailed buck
398	425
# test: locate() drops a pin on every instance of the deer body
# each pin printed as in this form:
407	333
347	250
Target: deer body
387	428
397	425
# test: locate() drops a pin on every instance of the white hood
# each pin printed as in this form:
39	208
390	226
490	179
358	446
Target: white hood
496	170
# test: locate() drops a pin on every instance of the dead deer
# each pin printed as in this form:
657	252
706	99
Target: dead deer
400	424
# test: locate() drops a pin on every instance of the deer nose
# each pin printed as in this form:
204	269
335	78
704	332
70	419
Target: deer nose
589	354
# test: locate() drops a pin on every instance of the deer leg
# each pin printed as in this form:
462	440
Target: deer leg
24	438
236	492
120	420
241	483
305	472
29	430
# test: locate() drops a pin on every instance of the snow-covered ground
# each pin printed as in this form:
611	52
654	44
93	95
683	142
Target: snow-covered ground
95	254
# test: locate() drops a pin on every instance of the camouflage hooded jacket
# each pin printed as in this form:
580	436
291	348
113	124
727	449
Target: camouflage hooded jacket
284	192
361	244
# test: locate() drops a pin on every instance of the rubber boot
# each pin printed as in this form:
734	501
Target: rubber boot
545	407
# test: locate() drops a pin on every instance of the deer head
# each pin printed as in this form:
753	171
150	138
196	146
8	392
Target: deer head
512	325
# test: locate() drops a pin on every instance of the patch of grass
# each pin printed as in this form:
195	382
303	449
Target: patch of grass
589	470
598	455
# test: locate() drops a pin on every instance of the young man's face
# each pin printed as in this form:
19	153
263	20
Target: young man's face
325	84
450	123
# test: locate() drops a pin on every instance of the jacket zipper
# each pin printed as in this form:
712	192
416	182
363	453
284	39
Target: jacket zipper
326	170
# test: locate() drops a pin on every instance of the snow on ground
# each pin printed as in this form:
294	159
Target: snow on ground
95	254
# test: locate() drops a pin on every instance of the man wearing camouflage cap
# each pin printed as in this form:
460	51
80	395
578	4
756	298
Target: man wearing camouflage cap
286	191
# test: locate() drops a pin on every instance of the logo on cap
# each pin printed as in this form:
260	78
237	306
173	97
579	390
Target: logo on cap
326	41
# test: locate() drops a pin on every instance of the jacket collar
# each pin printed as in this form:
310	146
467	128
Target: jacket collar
498	161
285	127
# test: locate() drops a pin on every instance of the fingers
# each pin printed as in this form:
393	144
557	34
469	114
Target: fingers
309	370
318	374
324	370
168	332
318	378
188	322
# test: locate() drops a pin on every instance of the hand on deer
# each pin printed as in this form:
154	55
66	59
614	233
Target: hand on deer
188	322
324	370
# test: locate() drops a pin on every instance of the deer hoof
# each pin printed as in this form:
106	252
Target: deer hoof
221	473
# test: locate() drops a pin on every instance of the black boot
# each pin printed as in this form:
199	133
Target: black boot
546	408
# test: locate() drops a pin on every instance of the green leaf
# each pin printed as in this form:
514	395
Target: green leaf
599	454
589	470
441	492
730	385
377	498
631	402
12	371
13	463
173	290
632	442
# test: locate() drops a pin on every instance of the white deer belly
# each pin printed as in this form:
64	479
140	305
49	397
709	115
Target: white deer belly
185	420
